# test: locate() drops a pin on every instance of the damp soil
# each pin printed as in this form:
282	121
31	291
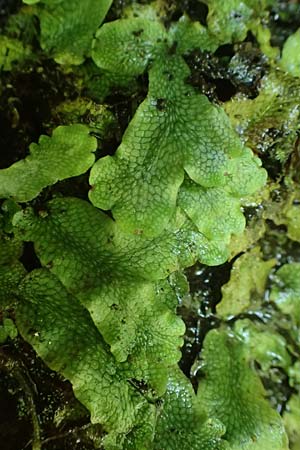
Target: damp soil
231	70
27	99
29	388
199	314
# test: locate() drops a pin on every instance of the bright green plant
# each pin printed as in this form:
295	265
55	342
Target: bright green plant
102	308
68	153
172	140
